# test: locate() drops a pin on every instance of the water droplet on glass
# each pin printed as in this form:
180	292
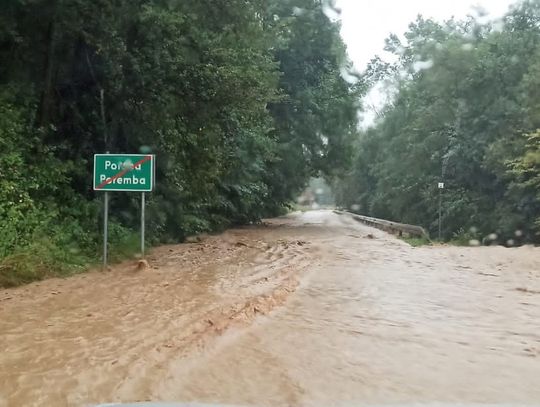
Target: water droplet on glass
421	65
297	11
347	76
125	214
331	11
498	25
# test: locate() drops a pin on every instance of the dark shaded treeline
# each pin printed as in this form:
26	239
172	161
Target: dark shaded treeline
241	100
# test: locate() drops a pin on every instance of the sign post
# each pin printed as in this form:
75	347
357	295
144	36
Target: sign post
123	172
441	187
142	224
105	227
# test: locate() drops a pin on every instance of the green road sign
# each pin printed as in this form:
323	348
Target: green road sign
124	172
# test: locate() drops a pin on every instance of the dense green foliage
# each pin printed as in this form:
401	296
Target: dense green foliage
241	101
465	111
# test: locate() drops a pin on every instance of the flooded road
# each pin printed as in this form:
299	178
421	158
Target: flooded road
309	309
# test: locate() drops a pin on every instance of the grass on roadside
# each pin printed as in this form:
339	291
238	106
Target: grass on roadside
417	241
47	257
41	259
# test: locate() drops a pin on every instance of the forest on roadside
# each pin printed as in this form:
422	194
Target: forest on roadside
464	109
242	101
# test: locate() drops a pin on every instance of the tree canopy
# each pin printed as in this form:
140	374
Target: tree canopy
241	101
465	111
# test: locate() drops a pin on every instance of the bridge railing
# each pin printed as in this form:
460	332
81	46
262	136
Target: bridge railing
396	228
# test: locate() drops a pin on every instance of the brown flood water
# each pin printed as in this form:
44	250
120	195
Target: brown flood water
310	309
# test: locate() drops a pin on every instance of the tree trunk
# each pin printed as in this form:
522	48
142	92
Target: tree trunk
45	106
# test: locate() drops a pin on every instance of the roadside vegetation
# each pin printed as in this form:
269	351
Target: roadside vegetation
464	109
417	241
241	101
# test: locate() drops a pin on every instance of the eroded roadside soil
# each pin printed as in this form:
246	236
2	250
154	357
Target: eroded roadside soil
310	309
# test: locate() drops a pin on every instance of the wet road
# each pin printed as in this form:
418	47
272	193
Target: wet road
311	309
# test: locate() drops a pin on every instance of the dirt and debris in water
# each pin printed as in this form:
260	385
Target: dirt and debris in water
299	311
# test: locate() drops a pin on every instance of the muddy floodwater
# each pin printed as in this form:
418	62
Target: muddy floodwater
312	309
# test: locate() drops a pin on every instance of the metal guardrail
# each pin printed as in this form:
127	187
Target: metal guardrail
400	229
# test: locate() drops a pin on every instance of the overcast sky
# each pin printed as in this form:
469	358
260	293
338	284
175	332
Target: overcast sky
366	23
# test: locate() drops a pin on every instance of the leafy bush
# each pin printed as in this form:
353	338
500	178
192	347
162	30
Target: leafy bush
41	258
417	241
465	237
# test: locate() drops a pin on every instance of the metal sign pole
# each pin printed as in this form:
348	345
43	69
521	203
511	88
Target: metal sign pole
440	211
142	224
441	187
105	228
